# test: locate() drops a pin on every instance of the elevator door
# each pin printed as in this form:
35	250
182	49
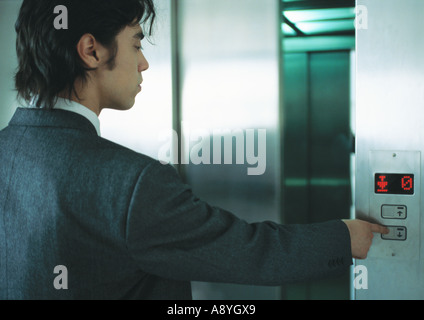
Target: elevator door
317	146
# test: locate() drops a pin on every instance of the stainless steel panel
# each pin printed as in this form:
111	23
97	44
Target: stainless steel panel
406	162
229	55
389	113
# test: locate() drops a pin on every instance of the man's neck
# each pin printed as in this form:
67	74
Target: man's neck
85	95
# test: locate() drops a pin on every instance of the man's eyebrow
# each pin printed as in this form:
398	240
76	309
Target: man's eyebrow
139	35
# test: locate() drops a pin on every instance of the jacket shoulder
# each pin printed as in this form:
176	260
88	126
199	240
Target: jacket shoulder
106	151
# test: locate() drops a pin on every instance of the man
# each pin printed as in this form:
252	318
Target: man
119	224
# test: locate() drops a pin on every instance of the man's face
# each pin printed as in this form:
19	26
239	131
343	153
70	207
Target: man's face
118	87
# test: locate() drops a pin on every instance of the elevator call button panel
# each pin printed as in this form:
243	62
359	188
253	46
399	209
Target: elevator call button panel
395	202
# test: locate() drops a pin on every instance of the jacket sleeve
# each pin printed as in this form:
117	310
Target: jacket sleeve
173	234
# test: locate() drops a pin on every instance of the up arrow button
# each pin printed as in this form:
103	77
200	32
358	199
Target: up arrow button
389	211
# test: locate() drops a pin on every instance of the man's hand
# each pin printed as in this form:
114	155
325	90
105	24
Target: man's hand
361	234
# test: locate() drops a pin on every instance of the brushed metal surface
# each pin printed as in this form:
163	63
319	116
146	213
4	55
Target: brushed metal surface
389	114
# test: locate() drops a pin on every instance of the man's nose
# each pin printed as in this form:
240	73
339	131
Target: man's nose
143	64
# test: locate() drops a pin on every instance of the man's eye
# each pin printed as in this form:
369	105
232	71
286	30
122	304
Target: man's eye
139	48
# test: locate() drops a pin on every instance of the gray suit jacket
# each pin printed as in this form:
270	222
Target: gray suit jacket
126	227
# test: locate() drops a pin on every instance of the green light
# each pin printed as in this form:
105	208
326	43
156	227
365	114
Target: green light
287	30
296	16
327	26
300	44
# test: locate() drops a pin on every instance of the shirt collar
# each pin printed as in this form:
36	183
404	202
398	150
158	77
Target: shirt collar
72	106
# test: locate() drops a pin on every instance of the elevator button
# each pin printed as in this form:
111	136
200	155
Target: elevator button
395	233
393	211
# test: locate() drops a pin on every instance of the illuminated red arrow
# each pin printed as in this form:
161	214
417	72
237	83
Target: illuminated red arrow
382	184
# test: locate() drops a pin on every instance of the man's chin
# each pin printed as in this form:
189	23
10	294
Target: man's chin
121	106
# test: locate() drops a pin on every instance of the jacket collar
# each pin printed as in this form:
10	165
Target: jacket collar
51	118
69	105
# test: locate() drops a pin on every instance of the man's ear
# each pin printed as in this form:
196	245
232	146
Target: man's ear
90	51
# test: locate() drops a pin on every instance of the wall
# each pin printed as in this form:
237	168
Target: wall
8	12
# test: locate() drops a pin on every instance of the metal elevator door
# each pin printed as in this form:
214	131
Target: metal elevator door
228	74
317	144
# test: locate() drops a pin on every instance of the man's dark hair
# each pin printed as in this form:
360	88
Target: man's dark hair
48	59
